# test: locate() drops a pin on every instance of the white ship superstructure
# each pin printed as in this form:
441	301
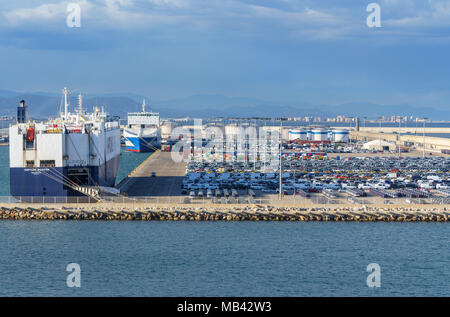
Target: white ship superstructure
143	132
62	156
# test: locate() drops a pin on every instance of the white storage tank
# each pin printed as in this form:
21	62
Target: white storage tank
166	130
341	135
214	131
285	134
308	135
319	134
273	130
231	129
297	135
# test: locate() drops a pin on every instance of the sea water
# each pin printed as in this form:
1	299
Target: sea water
134	258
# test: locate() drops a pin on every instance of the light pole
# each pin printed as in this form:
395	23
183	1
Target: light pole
294	182
399	136
256	147
379	133
281	157
423	144
263	156
280	197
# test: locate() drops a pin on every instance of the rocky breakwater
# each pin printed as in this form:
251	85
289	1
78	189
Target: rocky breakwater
241	213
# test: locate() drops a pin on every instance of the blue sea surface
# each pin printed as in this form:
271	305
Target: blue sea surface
4	170
128	162
223	258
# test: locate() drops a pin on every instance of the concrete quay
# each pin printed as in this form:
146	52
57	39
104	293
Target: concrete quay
166	182
341	213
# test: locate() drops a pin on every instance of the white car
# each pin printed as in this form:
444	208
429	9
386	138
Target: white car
381	186
442	186
426	186
317	185
348	186
331	186
434	178
364	186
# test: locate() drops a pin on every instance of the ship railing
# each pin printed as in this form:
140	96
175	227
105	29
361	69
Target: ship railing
240	200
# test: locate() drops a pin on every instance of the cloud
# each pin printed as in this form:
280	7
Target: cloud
103	14
129	13
44	13
174	3
307	16
116	3
419	15
292	19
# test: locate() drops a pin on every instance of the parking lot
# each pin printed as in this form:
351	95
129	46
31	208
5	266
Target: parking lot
358	179
309	178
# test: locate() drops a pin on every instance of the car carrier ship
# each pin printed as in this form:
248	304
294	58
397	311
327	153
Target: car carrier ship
75	155
143	132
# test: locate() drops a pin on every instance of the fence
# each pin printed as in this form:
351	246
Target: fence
183	200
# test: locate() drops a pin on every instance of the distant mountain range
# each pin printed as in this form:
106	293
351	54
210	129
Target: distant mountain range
42	104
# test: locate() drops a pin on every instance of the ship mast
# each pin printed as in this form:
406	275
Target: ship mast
80	103
143	105
66	102
80	107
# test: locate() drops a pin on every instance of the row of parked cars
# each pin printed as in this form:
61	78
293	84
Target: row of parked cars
363	173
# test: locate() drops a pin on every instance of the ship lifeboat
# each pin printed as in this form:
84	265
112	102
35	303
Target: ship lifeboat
30	134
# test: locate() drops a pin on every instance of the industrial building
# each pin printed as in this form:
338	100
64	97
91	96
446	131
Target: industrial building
379	145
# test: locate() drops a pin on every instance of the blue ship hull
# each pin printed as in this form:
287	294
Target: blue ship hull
29	182
142	144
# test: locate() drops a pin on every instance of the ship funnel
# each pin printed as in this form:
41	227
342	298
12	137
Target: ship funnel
22	112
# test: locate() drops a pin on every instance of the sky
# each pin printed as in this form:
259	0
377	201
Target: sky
297	51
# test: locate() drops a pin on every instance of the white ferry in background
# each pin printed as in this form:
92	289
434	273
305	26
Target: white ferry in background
65	156
143	132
